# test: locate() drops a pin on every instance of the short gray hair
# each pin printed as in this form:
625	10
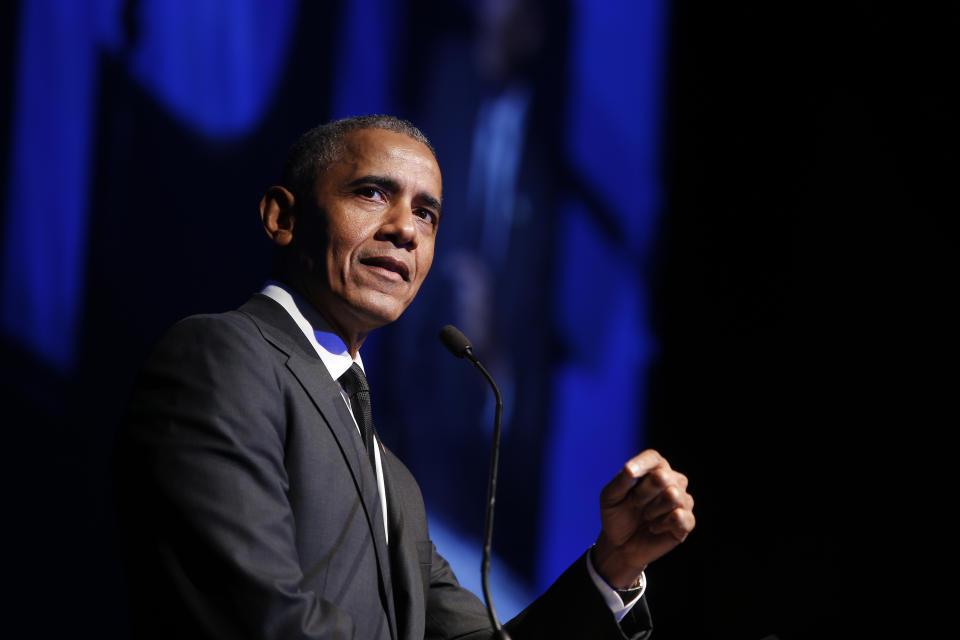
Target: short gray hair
315	150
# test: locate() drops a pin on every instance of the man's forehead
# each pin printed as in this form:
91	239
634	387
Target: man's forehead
392	154
367	142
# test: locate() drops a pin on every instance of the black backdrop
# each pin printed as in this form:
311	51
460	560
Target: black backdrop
802	291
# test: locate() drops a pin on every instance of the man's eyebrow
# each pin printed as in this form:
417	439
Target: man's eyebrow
431	202
391	185
381	181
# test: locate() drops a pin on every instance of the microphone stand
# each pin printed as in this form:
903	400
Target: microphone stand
491	500
458	344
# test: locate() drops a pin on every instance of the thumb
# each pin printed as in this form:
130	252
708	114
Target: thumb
635	468
618	488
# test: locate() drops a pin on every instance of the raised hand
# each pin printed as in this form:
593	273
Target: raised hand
645	511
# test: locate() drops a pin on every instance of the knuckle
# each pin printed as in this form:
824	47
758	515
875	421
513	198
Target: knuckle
688	523
674	495
659	478
652	455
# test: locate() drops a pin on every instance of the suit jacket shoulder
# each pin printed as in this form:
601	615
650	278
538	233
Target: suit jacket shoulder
249	507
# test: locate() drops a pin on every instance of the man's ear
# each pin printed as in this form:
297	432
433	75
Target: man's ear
276	213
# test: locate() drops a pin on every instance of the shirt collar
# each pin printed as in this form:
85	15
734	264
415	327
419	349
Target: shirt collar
328	345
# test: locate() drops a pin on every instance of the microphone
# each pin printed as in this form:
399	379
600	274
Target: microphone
457	343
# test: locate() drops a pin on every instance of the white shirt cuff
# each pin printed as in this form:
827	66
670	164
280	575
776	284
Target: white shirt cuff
619	608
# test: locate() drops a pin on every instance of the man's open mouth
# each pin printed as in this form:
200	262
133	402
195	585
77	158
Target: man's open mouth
389	263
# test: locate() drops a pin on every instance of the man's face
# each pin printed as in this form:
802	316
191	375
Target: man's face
368	237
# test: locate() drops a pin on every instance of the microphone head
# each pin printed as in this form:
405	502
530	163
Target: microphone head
455	341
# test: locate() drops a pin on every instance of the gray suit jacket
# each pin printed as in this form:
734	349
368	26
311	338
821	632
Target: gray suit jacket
251	511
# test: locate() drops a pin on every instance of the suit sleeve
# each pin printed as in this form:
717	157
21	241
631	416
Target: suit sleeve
571	608
202	488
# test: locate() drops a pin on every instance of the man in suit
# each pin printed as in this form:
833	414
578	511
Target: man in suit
258	502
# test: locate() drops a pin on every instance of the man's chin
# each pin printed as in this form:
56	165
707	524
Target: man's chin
359	311
378	310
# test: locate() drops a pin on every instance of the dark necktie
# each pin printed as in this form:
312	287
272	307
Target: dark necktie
355	384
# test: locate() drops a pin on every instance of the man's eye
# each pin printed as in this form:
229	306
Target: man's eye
426	214
369	192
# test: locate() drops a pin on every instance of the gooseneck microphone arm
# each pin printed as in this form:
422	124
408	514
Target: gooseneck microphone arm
459	346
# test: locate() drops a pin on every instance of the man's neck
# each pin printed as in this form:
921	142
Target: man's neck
313	323
318	316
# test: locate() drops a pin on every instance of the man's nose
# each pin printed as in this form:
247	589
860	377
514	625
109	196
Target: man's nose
400	226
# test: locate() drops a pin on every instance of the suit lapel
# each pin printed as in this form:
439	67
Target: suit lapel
325	394
278	328
404	559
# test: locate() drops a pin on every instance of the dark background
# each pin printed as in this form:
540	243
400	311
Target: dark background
803	292
799	297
